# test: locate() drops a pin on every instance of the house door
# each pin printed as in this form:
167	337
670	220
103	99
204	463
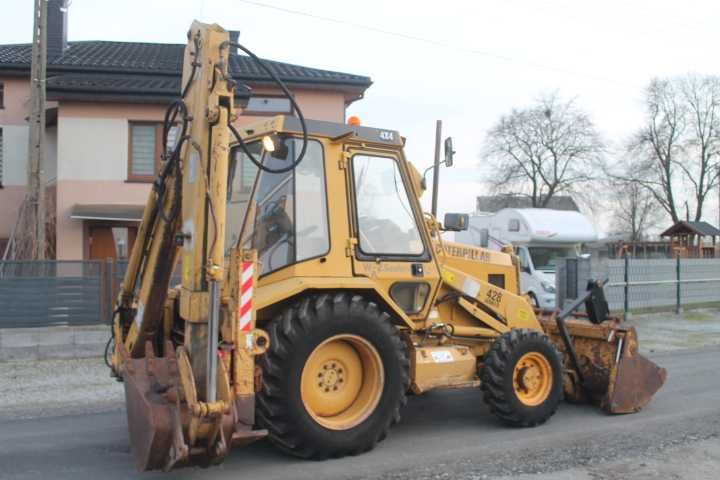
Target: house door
111	242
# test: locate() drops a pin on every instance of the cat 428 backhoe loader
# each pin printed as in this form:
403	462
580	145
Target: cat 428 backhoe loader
310	319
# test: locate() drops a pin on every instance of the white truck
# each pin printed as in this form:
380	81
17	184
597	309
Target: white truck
539	235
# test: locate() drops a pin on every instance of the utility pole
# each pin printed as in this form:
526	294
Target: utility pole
436	169
36	143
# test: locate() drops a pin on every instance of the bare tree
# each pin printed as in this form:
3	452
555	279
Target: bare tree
701	94
678	145
635	210
547	148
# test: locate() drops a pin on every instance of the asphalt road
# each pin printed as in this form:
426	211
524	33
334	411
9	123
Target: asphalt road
445	434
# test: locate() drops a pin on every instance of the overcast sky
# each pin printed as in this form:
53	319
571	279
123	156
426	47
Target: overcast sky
465	62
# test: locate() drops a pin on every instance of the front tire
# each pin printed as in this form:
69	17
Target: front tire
522	380
334	378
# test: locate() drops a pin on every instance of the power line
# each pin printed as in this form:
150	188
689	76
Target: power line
440	44
643	25
656	23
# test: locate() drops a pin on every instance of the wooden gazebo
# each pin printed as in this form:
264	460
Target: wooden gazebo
688	239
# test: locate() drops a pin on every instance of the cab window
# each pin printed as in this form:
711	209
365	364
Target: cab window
287	219
523	258
385	218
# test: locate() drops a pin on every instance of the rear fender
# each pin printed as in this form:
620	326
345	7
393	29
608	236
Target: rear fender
271	296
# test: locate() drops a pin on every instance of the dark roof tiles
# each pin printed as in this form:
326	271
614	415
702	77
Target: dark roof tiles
150	72
15	54
157	58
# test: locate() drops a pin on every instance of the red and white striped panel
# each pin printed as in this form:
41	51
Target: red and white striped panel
246	293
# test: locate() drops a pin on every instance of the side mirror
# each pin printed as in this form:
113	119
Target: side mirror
456	222
449	152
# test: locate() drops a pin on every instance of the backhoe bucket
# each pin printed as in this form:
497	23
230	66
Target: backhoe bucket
169	428
611	373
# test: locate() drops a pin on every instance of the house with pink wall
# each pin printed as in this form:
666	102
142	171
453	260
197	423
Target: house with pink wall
106	102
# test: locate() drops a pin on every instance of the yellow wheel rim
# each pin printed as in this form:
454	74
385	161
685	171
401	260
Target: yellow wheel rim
342	382
532	379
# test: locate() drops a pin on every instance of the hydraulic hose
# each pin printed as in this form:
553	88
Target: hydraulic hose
293	103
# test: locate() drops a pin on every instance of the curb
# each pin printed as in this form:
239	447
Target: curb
43	343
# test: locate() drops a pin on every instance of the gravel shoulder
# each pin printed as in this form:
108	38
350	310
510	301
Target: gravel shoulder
666	331
57	387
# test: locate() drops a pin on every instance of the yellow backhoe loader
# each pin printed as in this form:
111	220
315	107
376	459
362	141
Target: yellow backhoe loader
311	318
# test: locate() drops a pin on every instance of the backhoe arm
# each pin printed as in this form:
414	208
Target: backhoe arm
187	359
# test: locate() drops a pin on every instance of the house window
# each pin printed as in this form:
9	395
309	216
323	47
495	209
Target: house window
248	172
267	105
2	95
145	150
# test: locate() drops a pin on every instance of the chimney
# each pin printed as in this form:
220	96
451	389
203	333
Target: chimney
56	28
234	37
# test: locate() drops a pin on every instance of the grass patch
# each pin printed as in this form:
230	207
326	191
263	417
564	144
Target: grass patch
698	316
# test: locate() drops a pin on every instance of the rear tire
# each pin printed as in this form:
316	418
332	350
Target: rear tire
522	380
334	377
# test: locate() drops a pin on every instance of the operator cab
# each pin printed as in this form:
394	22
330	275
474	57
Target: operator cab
286	217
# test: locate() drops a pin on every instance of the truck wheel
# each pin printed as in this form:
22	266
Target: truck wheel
522	378
334	377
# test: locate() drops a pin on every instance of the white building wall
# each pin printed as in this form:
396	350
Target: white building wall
92	148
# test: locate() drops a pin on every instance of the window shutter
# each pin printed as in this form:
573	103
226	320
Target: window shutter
249	171
143	150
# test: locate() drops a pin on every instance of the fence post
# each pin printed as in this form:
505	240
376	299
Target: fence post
626	287
109	263
678	307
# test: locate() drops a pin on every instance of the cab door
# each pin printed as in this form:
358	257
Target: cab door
388	241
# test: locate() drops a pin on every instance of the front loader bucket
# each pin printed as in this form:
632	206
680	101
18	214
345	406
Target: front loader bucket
610	371
636	381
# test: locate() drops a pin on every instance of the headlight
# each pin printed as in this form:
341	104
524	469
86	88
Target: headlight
548	287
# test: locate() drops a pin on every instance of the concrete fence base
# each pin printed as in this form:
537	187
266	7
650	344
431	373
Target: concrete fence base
53	342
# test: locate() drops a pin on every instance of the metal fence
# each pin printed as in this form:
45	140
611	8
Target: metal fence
636	284
44	293
81	292
60	292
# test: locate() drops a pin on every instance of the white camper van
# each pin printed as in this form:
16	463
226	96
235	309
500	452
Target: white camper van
540	236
